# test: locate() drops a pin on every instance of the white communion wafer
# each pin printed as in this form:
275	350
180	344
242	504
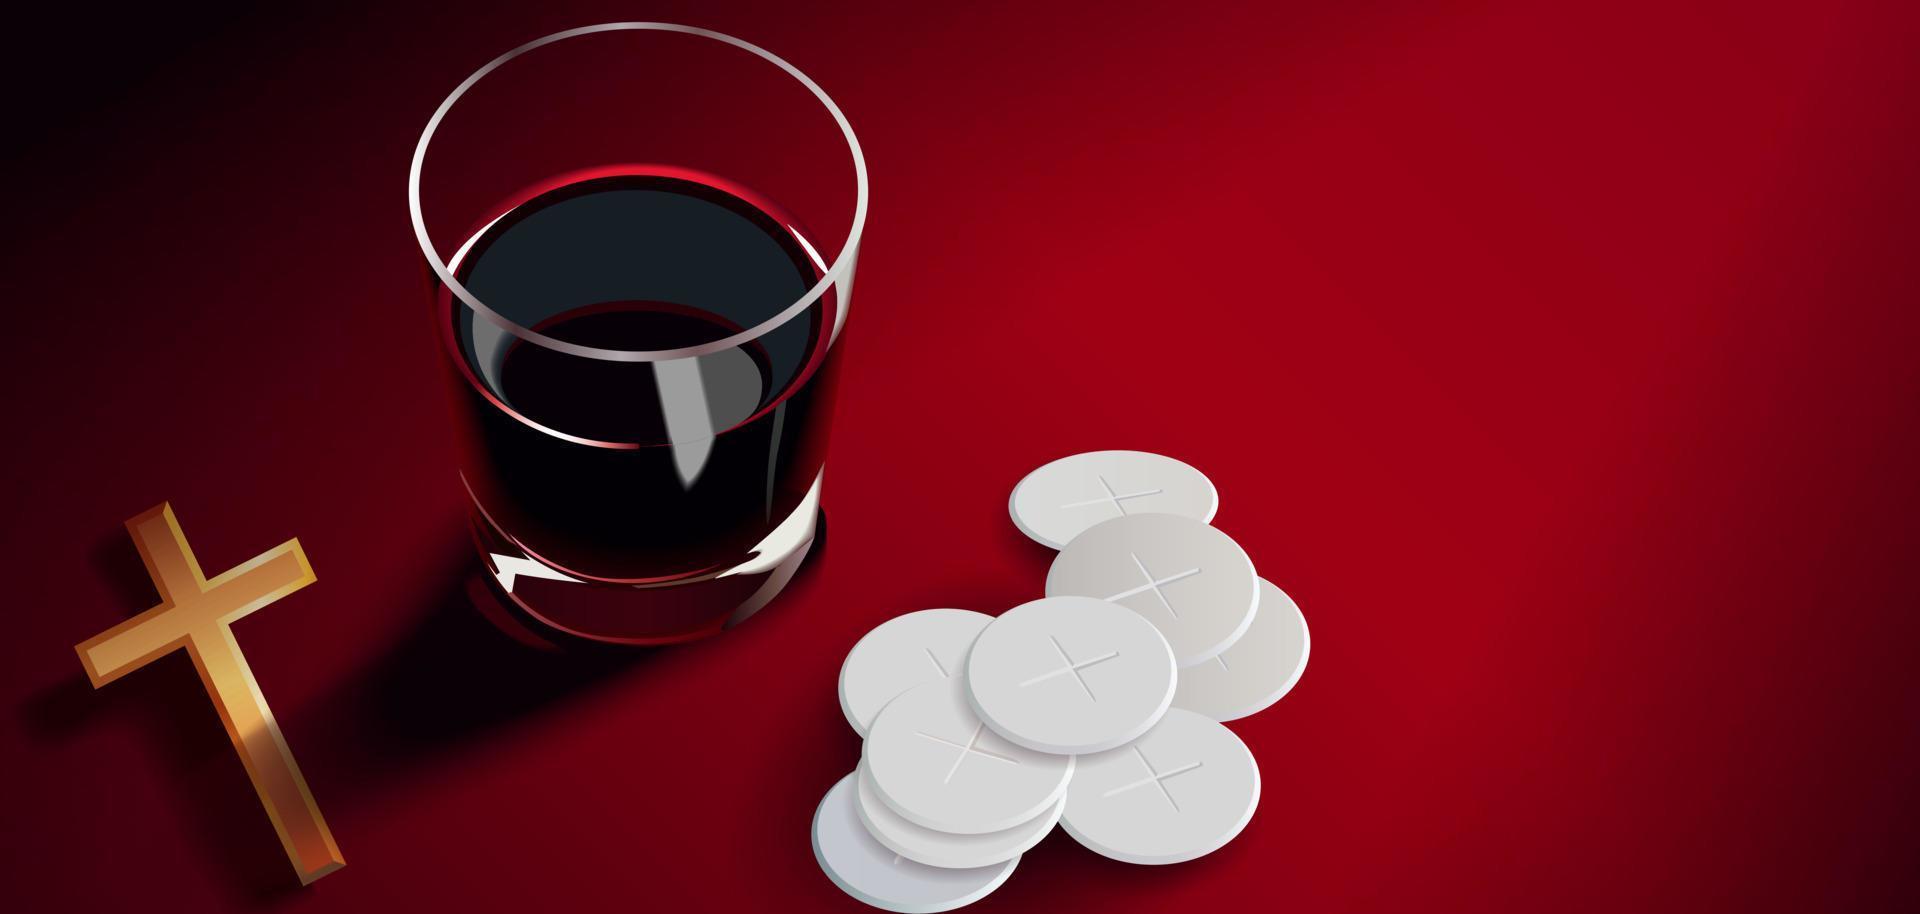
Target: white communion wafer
901	653
936	764
1070	674
1182	791
868	871
1190	580
1056	502
938	848
1258	670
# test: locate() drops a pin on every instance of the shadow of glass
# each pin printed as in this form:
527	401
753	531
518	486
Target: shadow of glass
466	670
455	678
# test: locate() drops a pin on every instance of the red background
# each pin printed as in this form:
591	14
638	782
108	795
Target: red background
1559	361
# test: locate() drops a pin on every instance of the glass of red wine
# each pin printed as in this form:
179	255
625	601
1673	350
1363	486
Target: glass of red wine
642	240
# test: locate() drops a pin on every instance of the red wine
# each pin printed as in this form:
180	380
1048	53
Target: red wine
639	472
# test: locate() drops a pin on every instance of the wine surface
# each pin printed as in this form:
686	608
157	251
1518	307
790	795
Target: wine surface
639	471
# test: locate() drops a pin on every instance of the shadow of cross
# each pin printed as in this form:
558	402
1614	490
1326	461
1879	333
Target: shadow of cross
197	614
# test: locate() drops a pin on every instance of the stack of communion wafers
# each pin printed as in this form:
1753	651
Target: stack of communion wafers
1098	707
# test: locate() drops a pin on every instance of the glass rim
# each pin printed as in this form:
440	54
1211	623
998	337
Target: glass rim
842	266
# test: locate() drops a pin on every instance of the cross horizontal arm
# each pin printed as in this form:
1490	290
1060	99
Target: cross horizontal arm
244	588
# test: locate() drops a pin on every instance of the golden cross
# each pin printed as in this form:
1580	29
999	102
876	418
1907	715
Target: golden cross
197	614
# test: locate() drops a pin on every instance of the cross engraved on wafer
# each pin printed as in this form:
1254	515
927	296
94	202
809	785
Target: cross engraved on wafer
196	614
1071	667
1153	584
972	747
1112	498
937	664
1156	778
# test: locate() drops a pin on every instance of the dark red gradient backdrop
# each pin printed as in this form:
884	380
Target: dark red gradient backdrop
1560	361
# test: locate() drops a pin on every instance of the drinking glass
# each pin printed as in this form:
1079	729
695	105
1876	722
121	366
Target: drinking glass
642	240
